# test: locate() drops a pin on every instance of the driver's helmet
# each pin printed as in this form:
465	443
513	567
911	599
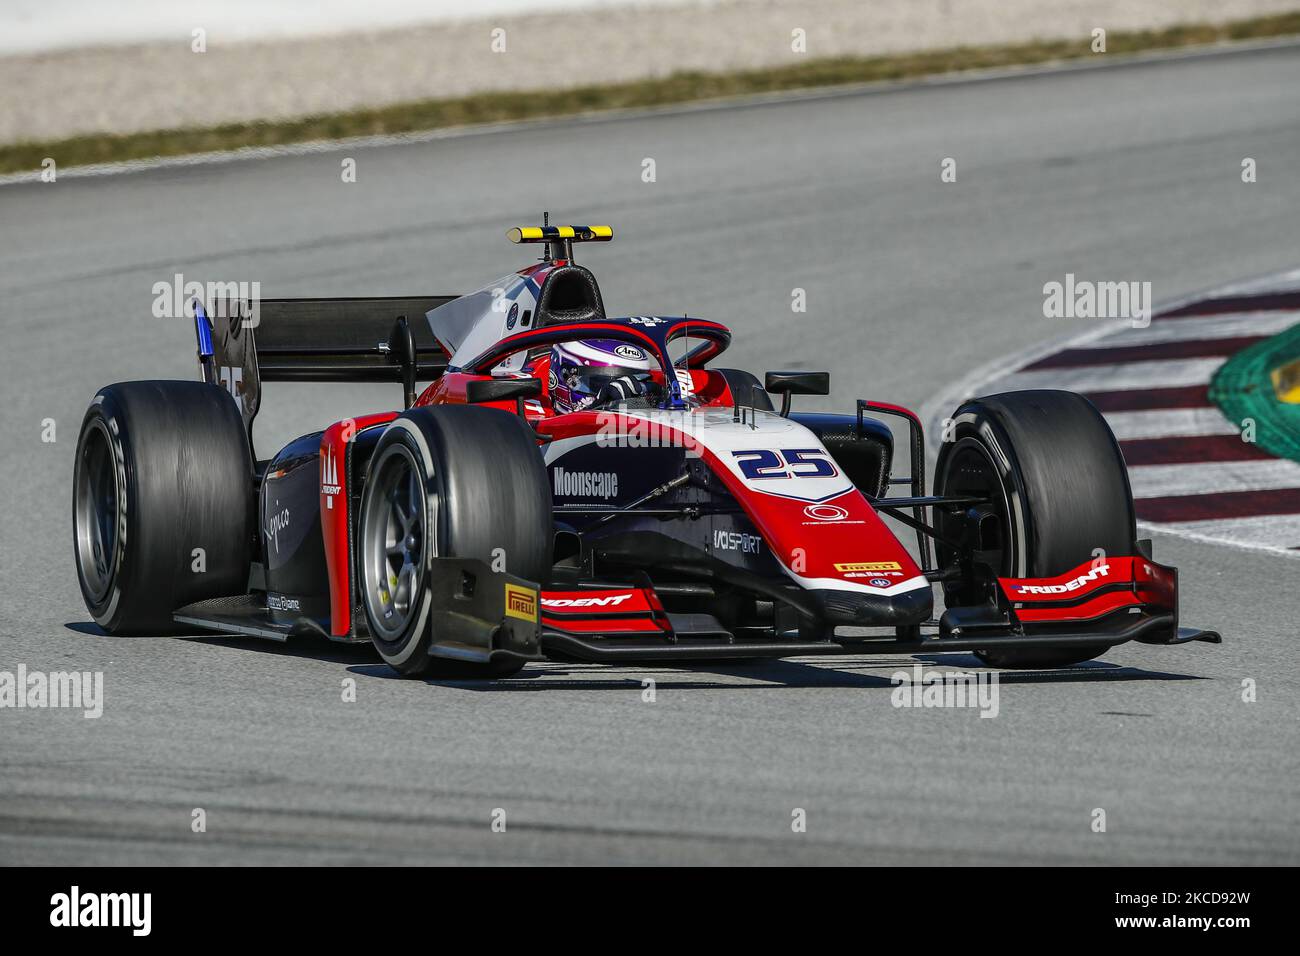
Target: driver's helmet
580	368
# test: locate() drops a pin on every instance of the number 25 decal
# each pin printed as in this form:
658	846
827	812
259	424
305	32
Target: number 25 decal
760	463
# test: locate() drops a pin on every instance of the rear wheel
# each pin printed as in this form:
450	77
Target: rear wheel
447	481
1060	497
162	503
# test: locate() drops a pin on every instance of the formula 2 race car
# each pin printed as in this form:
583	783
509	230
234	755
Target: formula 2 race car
576	486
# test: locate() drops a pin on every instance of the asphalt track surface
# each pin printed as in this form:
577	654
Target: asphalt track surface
1130	172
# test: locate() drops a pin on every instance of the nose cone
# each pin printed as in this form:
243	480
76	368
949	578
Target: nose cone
862	609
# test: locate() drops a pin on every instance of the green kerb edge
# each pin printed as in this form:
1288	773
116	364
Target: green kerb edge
1243	389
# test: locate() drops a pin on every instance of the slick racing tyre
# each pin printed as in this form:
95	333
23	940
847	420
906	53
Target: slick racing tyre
446	481
162	508
1060	494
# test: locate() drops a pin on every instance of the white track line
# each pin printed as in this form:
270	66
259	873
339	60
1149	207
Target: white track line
1282	282
1279	533
1170	423
1202	328
1157	481
1169	373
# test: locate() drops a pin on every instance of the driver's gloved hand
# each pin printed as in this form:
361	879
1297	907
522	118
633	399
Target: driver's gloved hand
622	388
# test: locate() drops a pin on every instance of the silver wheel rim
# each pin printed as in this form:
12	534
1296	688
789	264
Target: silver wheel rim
97	512
395	546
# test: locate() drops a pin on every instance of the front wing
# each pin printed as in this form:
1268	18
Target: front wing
1099	604
482	615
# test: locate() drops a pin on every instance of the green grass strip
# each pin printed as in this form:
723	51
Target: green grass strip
678	88
1243	389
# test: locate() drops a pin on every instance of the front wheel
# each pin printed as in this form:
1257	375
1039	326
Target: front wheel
446	481
1060	497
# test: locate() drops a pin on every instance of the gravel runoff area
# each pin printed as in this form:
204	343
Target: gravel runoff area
153	86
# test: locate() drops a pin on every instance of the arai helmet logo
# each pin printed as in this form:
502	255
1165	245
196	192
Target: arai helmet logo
826	512
629	352
513	317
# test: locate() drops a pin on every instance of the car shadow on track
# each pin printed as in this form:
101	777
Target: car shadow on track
305	646
850	671
308	647
86	627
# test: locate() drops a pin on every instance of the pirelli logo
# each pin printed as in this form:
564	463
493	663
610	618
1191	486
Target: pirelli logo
521	602
870	566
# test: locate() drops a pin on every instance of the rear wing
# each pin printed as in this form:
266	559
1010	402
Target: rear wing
317	340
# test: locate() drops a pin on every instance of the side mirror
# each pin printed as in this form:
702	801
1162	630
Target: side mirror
788	384
502	390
